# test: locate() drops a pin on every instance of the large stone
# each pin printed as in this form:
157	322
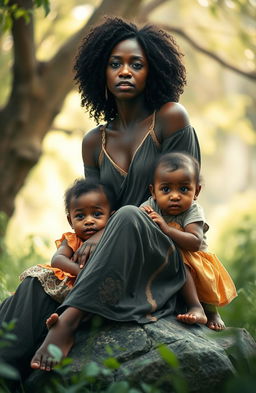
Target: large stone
207	359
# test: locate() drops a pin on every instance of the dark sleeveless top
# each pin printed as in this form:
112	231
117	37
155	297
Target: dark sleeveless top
132	188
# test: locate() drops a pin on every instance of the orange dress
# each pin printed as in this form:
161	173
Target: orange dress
213	283
56	282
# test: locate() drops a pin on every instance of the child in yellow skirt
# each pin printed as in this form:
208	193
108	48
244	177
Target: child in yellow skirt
88	207
173	207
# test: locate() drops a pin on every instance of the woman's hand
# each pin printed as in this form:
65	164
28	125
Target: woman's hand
84	252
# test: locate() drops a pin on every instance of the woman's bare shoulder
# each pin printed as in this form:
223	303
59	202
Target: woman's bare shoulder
170	118
91	145
92	137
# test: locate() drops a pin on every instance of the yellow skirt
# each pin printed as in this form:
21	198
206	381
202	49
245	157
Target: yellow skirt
213	283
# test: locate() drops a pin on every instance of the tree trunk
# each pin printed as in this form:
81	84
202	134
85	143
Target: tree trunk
37	95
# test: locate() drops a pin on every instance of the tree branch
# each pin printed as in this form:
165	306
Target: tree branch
23	42
148	8
207	52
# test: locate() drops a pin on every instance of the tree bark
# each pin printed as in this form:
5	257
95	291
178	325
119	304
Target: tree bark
39	90
37	95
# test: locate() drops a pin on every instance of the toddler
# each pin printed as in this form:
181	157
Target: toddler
173	206
88	207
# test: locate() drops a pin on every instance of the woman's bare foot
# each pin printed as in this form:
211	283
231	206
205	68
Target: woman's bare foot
214	321
194	315
61	334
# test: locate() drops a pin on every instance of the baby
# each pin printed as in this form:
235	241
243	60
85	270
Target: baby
173	207
88	207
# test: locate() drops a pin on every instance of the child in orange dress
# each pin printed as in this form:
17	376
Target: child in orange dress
88	207
173	207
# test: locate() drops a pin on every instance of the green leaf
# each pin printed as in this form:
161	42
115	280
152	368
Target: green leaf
109	350
147	388
118	387
55	352
19	13
168	356
43	3
92	369
111	363
10	336
7	371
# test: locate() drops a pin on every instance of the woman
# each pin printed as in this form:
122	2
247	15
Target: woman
132	78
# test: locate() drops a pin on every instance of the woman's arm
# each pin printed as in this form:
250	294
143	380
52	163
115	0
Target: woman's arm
91	147
62	259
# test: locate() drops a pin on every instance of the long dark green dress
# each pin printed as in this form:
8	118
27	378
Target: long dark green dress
135	271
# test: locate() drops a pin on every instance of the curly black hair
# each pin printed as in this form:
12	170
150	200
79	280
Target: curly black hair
82	186
167	74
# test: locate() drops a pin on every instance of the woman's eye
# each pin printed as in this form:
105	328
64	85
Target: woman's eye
137	66
114	64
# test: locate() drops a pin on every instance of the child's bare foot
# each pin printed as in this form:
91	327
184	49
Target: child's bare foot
52	320
61	334
214	321
194	315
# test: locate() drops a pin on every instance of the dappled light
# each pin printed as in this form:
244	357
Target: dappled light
217	39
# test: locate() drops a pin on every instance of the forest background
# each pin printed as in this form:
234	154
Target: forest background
42	124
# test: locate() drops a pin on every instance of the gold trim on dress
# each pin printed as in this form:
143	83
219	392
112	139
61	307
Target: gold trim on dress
100	158
103	150
148	290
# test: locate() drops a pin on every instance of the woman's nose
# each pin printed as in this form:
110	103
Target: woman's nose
125	71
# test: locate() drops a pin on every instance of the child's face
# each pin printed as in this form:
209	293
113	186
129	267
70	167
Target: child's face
174	191
89	213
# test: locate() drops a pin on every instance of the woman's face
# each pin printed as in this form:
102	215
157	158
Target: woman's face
127	70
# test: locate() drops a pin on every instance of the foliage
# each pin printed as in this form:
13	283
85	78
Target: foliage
236	249
98	377
10	11
242	311
236	240
16	263
7	338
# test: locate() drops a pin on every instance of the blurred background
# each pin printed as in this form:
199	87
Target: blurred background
40	109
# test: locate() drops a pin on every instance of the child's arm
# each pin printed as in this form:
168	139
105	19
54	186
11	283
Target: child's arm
62	259
189	240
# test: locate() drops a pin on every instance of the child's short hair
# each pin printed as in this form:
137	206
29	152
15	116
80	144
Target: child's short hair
82	186
179	160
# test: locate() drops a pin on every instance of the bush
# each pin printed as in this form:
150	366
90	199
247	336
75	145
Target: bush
236	249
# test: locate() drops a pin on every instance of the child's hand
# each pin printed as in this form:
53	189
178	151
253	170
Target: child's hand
160	222
82	255
148	209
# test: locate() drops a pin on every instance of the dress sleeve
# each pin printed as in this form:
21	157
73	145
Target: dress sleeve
148	202
91	172
195	214
72	240
184	140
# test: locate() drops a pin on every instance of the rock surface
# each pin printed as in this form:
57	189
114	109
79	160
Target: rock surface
206	358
